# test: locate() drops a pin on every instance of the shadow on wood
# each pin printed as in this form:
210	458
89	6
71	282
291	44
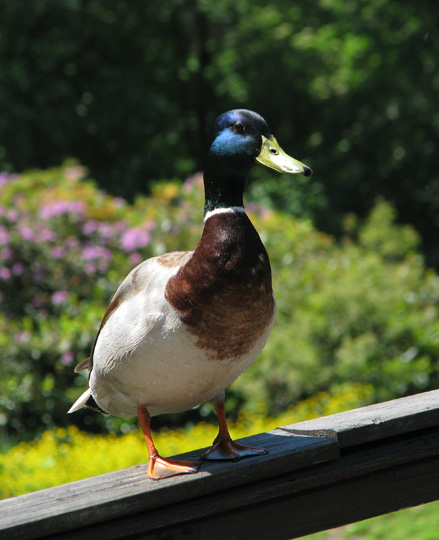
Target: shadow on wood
318	474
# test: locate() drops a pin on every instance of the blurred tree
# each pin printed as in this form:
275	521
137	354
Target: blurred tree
131	88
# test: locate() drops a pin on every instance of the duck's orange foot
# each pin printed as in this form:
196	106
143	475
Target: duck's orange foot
164	468
226	449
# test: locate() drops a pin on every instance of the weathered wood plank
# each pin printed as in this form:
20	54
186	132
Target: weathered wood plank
375	460
362	484
375	422
125	492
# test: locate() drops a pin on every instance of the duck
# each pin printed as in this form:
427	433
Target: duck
183	326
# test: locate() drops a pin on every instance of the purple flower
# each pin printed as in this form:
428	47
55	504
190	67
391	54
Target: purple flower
38	276
59	297
103	265
58	252
120	226
90	253
5	273
90	227
67	358
71	243
7	253
135	258
37	301
90	268
135	238
106	231
4	236
12	216
17	269
5	178
46	235
58	208
25	232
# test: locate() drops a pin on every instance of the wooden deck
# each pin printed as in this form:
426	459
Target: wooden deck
318	474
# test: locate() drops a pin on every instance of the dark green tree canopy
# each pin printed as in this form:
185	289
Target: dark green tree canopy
130	89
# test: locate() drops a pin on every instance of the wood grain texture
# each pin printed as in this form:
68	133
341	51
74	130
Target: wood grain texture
375	422
128	491
378	459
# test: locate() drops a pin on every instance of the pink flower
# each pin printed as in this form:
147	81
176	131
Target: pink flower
67	358
59	297
5	273
12	216
106	231
17	269
7	253
135	258
58	208
90	227
58	252
135	238
38	276
6	178
4	236
71	242
46	235
25	232
37	301
90	268
91	252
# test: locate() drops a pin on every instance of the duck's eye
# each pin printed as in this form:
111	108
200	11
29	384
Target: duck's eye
238	127
274	151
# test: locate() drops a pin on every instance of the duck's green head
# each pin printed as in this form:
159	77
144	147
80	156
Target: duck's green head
239	139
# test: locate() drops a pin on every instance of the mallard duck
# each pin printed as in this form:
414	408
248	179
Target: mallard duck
184	325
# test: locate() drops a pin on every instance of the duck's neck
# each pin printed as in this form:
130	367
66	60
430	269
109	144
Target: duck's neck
222	190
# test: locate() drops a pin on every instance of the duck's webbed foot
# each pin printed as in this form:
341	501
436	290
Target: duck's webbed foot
226	449
157	466
164	468
223	447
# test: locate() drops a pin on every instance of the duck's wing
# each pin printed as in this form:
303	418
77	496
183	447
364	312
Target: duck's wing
131	285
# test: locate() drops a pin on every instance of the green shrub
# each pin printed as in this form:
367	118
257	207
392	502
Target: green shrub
362	310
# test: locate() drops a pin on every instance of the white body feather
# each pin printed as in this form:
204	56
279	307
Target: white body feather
145	355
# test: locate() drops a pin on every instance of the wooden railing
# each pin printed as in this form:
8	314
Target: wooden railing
318	475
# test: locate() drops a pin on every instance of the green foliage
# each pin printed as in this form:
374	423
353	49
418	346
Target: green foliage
362	310
65	455
419	522
131	88
64	248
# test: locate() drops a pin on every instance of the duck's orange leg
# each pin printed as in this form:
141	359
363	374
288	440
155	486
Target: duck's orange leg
223	446
157	466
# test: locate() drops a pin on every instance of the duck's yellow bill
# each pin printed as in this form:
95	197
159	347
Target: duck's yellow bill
272	156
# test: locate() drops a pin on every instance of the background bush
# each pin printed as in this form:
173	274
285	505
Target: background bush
362	310
131	89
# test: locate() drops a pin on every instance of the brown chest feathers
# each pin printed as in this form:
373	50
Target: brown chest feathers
224	291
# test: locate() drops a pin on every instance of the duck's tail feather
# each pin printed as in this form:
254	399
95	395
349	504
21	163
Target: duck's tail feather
85	399
80	402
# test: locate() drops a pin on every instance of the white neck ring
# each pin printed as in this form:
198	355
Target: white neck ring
229	210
